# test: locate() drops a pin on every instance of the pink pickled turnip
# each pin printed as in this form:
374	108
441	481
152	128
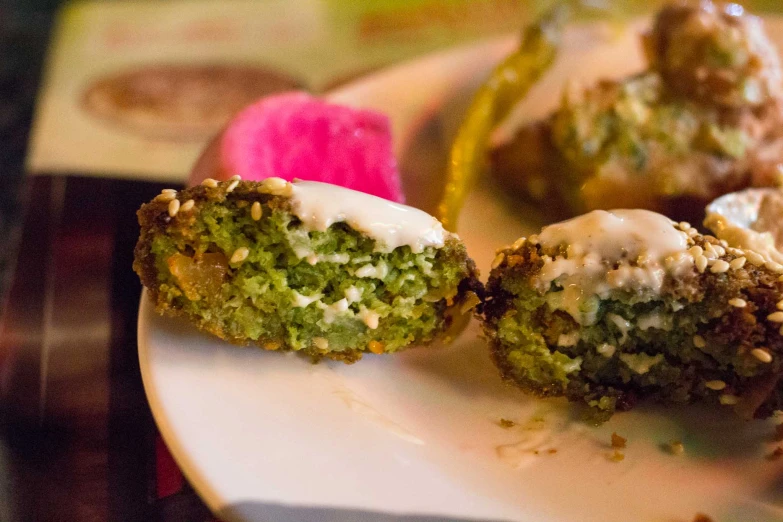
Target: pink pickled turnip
294	135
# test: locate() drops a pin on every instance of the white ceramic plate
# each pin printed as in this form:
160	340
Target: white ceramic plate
416	436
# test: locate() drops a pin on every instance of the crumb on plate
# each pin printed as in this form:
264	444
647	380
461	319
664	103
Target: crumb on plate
675	447
617	456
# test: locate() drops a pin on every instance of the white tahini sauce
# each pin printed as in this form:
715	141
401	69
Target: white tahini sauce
391	225
750	220
606	251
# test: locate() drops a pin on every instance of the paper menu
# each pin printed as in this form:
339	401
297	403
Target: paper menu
135	89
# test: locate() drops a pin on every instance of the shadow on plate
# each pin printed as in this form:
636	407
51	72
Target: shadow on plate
259	511
708	432
466	366
773	494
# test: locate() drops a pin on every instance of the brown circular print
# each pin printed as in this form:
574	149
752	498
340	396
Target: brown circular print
180	101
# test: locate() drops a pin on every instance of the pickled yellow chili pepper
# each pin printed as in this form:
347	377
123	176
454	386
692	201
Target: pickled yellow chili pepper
507	84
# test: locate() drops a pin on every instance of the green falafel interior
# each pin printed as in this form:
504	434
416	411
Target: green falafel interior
612	307
302	266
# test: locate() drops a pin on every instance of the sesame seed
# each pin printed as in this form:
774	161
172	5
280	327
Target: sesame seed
533	239
275	182
696	251
187	206
498	259
684	225
737	263
232	186
519	243
256	211
755	258
209	182
762	355
776	317
720	251
775	267
723	243
779	305
738	303
240	254
692	232
735	251
719	267
701	263
274	186
699	342
321	343
710	254
677	258
173	207
676	447
715	385
169	191
235	177
728	400
168	196
708	247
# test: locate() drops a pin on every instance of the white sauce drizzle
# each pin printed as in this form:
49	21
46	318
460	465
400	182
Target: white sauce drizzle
749	220
302	301
370	317
313	259
333	310
644	246
657	319
378	271
391	225
622	324
353	294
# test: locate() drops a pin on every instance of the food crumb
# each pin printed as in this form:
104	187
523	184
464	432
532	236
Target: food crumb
552	451
776	454
675	447
536	423
617	456
618	441
701	517
505	423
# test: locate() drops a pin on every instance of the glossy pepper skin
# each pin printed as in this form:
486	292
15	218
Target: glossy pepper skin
509	82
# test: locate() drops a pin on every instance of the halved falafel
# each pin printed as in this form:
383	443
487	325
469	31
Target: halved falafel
302	266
